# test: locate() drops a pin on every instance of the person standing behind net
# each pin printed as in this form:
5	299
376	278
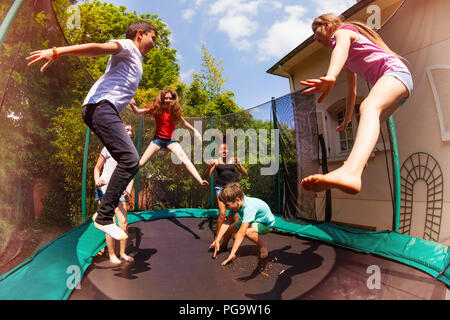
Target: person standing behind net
106	165
225	168
167	113
109	95
362	52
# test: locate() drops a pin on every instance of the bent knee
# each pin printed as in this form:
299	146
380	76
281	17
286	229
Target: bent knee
132	163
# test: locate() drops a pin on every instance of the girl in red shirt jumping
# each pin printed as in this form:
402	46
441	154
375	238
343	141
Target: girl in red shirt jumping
167	113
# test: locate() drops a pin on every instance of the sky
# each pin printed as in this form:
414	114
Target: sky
249	36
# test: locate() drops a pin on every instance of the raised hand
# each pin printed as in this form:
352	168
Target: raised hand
213	162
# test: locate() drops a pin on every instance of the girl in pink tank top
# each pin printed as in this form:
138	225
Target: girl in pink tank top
360	52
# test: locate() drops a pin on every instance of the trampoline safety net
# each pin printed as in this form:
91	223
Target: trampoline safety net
44	143
43	138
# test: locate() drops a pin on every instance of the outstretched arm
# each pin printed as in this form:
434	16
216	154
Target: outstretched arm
187	125
135	109
239	237
340	53
81	50
338	58
212	164
222	228
239	166
98	167
350	100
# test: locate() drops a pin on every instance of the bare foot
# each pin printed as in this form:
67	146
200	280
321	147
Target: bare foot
263	253
338	178
114	259
126	258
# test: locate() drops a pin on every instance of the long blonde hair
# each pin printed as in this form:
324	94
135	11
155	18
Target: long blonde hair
336	22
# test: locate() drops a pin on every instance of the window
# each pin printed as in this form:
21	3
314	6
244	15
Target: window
439	77
339	144
347	137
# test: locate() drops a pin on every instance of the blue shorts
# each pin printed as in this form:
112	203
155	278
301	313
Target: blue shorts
218	189
99	195
405	78
162	143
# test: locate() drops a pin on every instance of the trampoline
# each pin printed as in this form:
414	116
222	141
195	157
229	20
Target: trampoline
172	262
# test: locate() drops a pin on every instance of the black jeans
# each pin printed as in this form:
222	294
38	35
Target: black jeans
105	122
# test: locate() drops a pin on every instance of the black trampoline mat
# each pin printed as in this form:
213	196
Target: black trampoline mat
172	262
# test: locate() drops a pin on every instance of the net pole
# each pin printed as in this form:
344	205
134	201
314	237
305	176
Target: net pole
84	175
136	181
211	178
278	178
396	173
9	19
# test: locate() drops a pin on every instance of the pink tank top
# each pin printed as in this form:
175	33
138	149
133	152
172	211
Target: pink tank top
368	60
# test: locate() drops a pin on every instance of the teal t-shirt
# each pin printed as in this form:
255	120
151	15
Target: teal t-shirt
256	210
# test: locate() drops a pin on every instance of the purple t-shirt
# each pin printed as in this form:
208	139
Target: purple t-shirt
368	60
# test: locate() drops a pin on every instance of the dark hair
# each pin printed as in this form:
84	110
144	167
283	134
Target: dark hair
139	25
230	192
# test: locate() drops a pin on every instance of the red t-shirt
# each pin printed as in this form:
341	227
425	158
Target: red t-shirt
164	127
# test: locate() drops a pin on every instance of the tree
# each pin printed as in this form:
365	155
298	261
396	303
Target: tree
206	96
211	74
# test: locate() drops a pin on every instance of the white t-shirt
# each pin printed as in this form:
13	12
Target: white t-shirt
121	78
108	168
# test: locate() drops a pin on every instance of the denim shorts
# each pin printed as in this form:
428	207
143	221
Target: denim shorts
218	189
99	195
405	78
162	143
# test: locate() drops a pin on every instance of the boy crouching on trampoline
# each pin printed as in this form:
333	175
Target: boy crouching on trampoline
256	219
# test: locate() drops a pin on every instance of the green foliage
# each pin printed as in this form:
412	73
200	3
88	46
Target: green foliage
102	22
41	130
206	96
210	76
